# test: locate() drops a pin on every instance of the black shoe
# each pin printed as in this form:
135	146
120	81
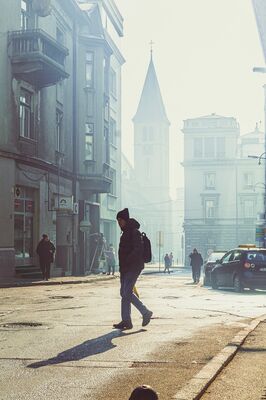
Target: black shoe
123	325
146	318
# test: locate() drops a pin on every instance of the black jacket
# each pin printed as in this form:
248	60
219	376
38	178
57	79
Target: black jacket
131	248
45	251
196	260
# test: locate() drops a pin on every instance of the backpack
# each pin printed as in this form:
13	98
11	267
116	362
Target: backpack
147	255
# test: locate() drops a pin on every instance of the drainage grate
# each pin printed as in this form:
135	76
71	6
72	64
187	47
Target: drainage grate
12	325
61	297
263	397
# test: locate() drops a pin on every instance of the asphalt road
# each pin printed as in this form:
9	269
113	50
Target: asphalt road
57	342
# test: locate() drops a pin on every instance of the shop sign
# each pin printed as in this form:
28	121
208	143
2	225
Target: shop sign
64	203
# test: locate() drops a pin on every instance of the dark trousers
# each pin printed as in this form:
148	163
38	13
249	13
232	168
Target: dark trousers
45	268
111	267
196	269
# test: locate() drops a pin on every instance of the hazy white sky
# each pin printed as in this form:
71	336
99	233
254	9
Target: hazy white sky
204	53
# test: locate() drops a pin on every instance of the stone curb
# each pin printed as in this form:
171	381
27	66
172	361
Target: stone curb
52	283
196	387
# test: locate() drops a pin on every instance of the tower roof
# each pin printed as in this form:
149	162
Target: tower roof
151	107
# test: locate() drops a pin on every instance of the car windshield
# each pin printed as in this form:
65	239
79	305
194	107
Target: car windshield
256	256
216	256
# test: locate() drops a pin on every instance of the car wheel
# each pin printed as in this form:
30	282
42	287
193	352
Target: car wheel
214	281
237	284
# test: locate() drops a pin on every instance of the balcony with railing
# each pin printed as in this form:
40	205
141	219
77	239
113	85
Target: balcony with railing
97	181
36	57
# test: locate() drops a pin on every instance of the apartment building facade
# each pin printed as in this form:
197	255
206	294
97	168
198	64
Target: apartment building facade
55	125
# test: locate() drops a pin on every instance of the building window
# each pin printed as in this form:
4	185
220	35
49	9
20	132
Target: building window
210	180
60	36
248	180
198	148
151	134
106	146
105	74
113	82
59	130
89	141
220	147
249	210
89	68
25	14
209	209
25	114
144	134
209	147
112	132
113	184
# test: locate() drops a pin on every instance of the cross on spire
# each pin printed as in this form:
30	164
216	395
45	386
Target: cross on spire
151	44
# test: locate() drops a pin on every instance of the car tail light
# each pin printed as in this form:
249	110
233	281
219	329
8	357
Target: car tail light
247	265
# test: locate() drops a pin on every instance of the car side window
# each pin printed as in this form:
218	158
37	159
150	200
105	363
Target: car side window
236	256
226	257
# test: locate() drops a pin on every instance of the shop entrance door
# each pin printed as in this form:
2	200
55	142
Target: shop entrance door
23	231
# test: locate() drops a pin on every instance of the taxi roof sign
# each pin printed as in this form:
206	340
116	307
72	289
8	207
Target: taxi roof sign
246	246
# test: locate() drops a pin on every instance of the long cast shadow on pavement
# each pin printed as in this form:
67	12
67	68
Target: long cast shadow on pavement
89	348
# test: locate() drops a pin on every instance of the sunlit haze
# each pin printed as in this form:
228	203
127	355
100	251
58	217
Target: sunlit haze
204	53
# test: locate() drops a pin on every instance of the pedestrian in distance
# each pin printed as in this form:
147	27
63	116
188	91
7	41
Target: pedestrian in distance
131	264
196	262
143	392
167	263
171	259
45	251
110	258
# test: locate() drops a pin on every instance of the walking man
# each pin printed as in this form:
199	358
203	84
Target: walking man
130	266
167	263
45	251
196	262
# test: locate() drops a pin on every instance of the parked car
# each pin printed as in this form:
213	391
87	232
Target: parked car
240	268
209	265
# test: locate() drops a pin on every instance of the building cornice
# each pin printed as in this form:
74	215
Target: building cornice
37	163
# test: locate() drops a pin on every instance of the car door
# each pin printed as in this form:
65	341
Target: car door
232	267
222	268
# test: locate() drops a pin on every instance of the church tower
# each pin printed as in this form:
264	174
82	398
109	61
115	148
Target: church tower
151	139
151	166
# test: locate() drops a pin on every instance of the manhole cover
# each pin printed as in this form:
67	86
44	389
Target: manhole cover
19	325
61	297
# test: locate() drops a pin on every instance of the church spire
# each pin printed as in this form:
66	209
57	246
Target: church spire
151	107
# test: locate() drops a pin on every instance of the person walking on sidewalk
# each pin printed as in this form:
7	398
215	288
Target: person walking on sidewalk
196	262
110	256
167	263
45	251
130	266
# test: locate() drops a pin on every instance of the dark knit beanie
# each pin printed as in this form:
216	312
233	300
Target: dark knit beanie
144	392
123	214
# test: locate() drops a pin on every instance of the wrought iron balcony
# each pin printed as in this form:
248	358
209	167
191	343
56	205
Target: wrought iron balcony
36	57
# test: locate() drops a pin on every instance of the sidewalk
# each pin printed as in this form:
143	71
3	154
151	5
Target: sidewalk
155	269
65	280
244	378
